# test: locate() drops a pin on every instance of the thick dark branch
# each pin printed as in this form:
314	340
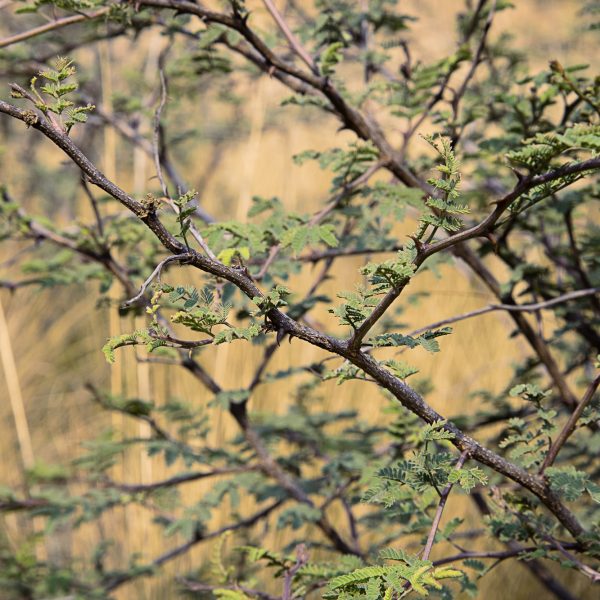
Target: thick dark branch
14	504
415	403
237	276
15	285
483	228
244	49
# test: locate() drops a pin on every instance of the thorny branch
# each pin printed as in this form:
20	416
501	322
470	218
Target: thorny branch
257	51
406	395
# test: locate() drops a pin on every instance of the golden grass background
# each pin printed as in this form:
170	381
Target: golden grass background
50	340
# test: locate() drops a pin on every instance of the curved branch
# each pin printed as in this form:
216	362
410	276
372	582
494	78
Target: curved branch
156	275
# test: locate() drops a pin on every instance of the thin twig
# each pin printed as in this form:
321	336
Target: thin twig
319	216
119	580
289	36
189	344
558	68
509	308
347	189
156	141
317	256
134	488
156	274
439	95
52	26
476	59
579	269
537	344
570	425
351	117
301	560
125	130
497	554
440	509
582	567
273	252
158	430
94	206
534	565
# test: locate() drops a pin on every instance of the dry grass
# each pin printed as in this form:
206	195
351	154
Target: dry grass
57	350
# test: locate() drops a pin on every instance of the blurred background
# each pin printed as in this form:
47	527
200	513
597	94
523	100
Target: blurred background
230	143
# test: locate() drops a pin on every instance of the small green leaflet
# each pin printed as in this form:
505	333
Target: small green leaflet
237	333
302	235
426	340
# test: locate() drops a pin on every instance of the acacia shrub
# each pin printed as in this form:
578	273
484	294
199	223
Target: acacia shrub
503	175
